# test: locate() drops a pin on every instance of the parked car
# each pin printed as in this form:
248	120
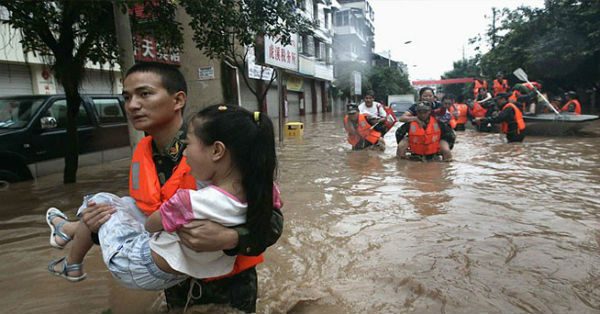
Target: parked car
400	107
33	133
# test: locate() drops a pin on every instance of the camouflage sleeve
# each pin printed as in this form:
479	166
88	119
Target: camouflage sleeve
251	245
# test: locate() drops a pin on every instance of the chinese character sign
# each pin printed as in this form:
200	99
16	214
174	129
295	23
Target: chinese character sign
357	83
256	71
281	56
148	50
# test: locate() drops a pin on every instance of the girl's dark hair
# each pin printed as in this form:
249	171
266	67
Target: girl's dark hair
250	139
422	90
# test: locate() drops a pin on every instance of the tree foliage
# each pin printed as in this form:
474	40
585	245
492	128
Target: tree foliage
70	33
224	28
559	43
386	81
462	68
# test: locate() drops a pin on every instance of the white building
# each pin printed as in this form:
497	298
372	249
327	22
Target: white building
307	86
354	31
25	74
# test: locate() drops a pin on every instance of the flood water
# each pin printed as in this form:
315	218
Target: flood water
505	228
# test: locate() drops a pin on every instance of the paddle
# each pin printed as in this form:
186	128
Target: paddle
521	75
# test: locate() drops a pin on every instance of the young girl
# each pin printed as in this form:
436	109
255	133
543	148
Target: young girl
228	147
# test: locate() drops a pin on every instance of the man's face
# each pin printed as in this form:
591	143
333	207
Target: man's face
148	103
447	103
353	116
369	100
423	114
502	101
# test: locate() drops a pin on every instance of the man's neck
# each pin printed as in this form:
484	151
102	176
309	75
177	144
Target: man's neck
164	136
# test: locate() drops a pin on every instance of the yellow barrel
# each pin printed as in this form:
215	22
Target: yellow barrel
294	129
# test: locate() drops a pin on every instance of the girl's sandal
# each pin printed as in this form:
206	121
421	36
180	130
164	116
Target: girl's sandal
64	272
52	213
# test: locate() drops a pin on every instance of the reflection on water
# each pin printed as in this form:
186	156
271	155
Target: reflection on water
503	228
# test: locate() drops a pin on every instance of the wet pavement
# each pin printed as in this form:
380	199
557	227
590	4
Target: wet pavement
505	228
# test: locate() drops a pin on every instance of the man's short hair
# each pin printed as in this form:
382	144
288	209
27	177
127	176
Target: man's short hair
502	95
172	80
423	106
370	93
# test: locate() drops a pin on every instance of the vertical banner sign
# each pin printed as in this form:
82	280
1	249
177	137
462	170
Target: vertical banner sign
283	57
357	83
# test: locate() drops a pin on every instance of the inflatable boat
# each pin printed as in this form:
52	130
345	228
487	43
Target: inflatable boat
553	124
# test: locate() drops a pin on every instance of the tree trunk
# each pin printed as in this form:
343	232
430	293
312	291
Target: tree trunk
126	61
71	147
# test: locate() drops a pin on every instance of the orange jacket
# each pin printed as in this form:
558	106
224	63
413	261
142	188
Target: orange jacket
479	84
424	142
478	111
145	188
364	130
518	119
565	108
462	113
499	87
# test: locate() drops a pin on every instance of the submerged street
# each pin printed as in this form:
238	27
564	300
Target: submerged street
511	228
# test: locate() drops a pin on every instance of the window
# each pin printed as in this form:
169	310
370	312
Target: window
59	112
109	110
4	15
308	45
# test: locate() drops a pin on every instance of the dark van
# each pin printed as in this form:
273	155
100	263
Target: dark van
33	131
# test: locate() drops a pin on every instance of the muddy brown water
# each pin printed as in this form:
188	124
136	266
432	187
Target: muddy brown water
505	228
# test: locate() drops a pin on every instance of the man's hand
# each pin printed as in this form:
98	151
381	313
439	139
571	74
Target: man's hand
207	236
95	215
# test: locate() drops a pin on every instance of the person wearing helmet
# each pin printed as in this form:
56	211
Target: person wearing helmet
511	118
500	85
572	105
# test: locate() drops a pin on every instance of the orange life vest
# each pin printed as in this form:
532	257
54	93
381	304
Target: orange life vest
565	108
390	118
478	111
518	119
364	130
462	113
479	84
424	142
145	188
499	87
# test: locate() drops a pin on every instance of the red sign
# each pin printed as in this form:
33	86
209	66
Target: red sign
146	49
447	81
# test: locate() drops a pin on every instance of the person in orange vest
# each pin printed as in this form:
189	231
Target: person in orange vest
479	83
460	111
425	138
510	117
361	134
155	96
572	104
218	140
376	113
483	106
500	85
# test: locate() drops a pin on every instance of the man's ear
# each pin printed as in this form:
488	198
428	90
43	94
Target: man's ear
218	150
179	98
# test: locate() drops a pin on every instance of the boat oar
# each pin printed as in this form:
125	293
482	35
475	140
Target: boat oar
521	75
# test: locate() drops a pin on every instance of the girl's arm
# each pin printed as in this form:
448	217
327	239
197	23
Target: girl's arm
154	222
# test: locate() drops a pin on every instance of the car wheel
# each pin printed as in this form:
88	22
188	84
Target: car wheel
8	176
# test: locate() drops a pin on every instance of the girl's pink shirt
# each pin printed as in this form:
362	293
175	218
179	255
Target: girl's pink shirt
178	211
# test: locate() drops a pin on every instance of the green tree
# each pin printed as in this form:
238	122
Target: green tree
344	78
224	28
462	68
71	33
559	43
386	81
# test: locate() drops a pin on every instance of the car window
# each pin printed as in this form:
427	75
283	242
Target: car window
109	110
58	111
400	107
16	113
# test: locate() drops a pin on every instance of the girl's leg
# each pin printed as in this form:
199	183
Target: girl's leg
81	244
67	228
